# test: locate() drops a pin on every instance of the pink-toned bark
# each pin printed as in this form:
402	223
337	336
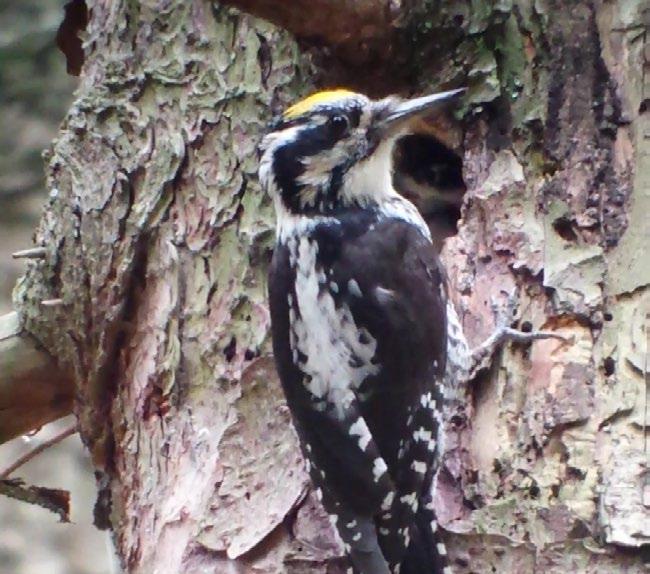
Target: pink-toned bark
158	239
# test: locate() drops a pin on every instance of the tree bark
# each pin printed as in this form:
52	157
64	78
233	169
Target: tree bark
158	240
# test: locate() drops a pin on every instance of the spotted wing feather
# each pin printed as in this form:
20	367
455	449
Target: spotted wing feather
388	276
398	295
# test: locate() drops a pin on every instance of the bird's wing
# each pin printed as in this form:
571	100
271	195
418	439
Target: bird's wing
389	278
392	282
339	447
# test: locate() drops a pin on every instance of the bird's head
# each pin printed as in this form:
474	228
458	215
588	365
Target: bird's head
333	150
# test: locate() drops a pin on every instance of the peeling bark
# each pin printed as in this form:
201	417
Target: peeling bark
554	450
160	236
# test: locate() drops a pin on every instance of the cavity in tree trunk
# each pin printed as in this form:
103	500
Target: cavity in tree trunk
158	237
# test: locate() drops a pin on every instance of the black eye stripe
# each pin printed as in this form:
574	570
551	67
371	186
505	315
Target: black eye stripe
287	159
317	132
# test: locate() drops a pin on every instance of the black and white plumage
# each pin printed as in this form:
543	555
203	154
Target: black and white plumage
358	311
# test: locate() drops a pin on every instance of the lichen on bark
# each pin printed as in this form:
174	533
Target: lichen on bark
158	239
554	450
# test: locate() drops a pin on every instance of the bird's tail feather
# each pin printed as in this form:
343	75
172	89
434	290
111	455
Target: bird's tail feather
426	553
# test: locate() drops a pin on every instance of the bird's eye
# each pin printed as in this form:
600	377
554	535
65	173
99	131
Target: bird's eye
338	125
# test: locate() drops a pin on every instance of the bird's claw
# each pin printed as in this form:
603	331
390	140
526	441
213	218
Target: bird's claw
481	355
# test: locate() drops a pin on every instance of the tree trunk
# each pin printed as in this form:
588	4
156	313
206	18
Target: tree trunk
158	238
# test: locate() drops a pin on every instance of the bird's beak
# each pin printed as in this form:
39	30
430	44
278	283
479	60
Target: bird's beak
397	113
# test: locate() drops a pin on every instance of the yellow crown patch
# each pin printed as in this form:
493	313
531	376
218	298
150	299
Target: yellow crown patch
325	97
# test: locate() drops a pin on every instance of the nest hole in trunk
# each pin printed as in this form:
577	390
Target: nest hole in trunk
430	174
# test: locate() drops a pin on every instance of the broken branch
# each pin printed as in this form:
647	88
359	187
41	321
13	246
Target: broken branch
7	472
354	28
32	253
53	499
33	390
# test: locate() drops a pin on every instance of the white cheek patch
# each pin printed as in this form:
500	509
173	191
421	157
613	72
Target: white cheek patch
369	181
319	167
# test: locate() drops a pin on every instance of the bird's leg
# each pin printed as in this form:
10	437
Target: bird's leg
481	356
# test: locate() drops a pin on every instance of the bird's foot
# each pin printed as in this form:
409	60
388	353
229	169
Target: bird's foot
481	356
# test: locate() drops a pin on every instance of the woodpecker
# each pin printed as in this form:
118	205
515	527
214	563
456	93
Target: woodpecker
358	303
